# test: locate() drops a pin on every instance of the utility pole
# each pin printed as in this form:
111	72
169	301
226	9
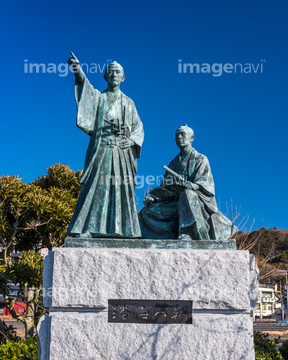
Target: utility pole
282	302
282	296
286	293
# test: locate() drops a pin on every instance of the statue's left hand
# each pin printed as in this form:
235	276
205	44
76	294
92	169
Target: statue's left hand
189	185
148	200
126	143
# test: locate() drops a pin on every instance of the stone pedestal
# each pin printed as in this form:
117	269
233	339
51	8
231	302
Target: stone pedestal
78	282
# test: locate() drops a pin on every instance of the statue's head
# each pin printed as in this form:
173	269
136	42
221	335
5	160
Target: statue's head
114	74
184	136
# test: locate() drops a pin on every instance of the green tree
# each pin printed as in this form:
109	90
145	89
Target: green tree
33	216
284	349
27	273
266	349
10	332
12	350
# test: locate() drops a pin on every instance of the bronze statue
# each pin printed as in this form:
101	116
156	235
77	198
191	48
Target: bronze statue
184	205
106	205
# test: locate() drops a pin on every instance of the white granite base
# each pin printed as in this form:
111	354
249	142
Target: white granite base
88	336
87	278
222	285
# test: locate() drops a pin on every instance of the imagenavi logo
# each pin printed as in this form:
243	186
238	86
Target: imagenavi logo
217	69
62	69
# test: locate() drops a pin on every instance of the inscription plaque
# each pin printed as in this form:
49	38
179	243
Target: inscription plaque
150	311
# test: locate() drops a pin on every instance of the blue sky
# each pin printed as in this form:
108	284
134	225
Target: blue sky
239	119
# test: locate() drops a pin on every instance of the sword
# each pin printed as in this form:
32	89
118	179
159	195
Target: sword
179	177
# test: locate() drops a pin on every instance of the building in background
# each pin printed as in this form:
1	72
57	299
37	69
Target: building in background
268	302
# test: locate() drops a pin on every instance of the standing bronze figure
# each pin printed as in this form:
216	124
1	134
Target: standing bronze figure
106	204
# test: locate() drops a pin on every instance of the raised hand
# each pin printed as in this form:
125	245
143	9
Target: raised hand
74	62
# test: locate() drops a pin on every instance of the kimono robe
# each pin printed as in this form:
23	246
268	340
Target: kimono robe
177	210
106	204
